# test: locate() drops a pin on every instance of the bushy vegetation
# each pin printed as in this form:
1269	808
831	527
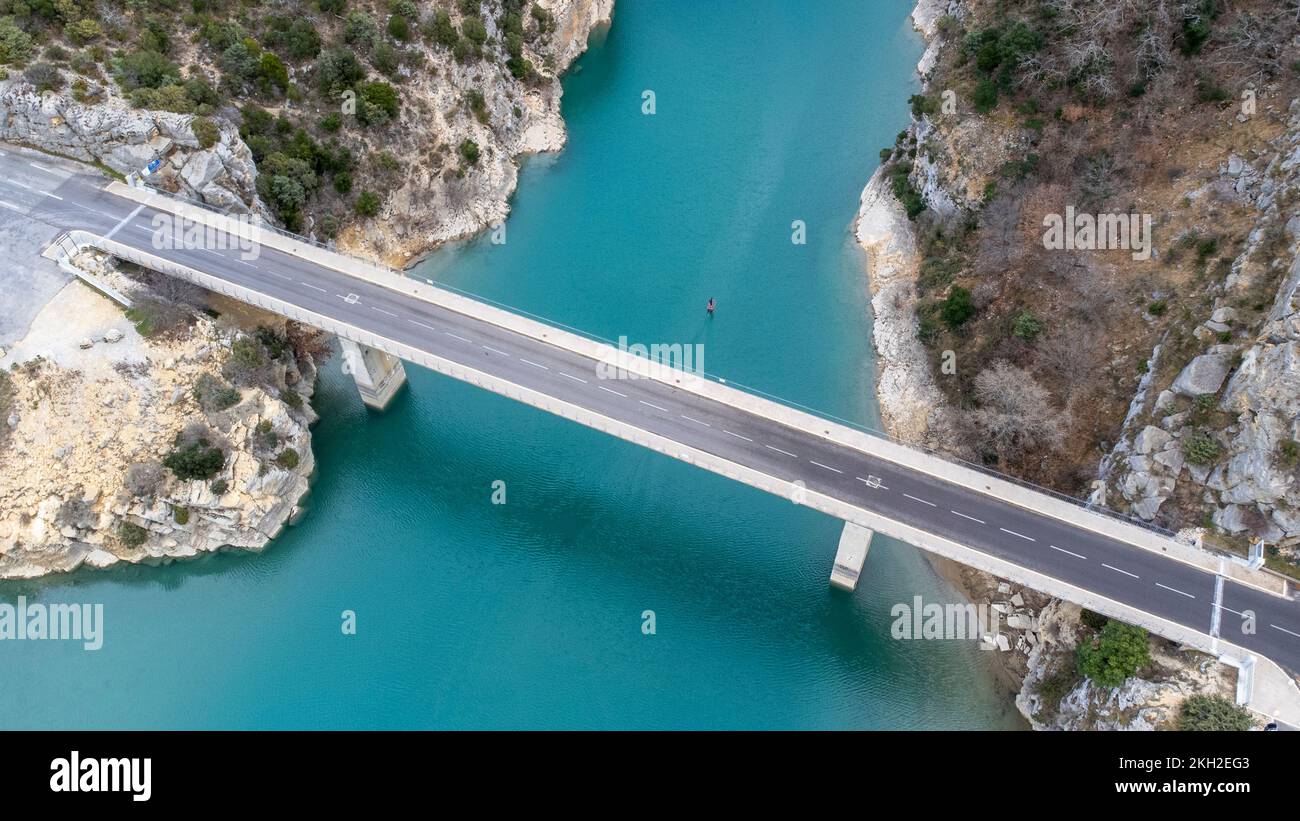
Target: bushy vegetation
1200	448
1212	713
143	478
194	455
333	70
1117	653
131	534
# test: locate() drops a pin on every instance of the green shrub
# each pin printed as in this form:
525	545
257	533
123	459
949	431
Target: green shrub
131	534
1200	448
1027	326
219	487
288	459
985	97
180	514
205	131
15	44
469	151
1093	619
84	31
1113	656
1212	713
957	308
368	204
197	460
377	103
399	28
1157	307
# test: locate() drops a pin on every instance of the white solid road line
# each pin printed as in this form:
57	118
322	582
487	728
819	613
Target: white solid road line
919	499
1068	552
309	285
737	435
652	405
964	516
611	390
534	364
696	421
1175	590
1117	570
1021	535
574	378
778	450
1284	630
828	467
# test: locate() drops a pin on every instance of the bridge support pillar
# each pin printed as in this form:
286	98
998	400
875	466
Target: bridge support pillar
855	541
379	376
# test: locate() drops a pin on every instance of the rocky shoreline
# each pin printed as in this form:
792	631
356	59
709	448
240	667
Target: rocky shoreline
92	407
1036	655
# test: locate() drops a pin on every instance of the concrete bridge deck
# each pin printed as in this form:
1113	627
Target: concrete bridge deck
1108	565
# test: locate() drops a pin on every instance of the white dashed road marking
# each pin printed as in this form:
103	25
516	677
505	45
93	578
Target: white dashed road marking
534	364
494	350
1021	535
964	516
611	390
1117	570
421	324
652	405
1284	630
456	336
309	285
737	435
778	450
919	499
1068	552
1175	590
696	421
382	311
43	168
574	378
827	467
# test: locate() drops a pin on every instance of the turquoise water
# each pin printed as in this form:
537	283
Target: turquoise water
529	614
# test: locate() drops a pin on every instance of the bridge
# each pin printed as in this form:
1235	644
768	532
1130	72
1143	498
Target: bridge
1100	560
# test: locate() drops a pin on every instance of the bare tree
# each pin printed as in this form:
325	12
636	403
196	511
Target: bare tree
1015	415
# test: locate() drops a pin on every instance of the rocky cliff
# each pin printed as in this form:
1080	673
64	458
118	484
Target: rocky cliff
94	410
126	139
436	202
1183	364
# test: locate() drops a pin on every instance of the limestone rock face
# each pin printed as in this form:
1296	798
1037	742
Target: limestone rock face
1204	374
126	139
434	203
89	416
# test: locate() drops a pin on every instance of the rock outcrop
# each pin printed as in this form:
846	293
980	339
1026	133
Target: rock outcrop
127	139
91	425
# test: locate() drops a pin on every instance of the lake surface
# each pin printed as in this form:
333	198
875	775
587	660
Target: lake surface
529	613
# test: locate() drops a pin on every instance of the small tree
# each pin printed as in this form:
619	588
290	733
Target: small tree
1201	712
957	308
368	204
131	534
1114	655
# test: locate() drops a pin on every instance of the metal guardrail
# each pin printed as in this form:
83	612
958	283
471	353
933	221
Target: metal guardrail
1080	503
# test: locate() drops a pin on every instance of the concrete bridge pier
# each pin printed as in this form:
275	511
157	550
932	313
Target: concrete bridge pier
855	541
379	376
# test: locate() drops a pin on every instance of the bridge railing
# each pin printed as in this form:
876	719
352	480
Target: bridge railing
867	429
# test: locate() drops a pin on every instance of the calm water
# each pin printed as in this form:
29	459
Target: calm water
528	614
